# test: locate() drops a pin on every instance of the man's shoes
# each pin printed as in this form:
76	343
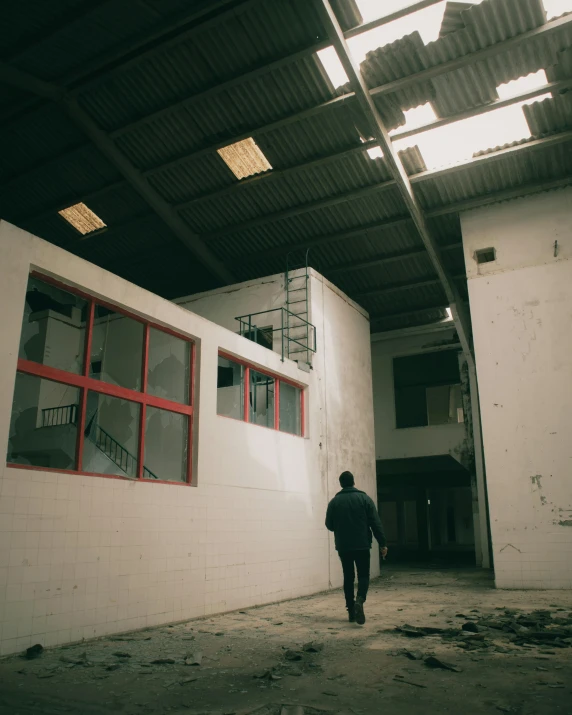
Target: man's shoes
359	614
352	614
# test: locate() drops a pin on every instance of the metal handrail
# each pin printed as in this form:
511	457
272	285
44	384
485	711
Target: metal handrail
67	415
125	457
246	327
58	416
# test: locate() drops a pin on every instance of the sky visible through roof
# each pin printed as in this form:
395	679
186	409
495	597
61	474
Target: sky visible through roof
457	142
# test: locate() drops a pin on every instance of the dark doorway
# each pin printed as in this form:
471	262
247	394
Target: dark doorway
426	505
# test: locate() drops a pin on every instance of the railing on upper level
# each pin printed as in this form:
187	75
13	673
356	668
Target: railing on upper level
58	416
306	342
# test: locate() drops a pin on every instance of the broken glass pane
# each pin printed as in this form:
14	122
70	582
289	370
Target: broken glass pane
169	366
116	349
111	436
166	445
43	426
53	328
289	409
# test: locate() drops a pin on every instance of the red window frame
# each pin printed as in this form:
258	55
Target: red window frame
277	380
86	383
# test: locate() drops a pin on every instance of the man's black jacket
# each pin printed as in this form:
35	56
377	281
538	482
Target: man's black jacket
352	517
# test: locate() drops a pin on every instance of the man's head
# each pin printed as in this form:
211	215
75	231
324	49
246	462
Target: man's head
346	480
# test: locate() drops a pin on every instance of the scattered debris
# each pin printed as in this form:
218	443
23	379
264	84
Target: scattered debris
313	647
80	659
470	626
413	654
194	658
120	654
163	661
432	662
34	651
115	666
401	679
293	655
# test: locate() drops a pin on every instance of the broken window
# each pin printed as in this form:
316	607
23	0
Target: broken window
116	348
92	409
427	389
43	426
169	367
261	401
229	393
290	412
250	395
166	445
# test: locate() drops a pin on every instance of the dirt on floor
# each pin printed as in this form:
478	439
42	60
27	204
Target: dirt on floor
435	641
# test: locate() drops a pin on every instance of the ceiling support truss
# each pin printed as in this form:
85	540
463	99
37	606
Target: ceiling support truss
132	175
397	171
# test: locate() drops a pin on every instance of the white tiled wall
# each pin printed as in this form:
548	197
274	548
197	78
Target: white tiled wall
85	556
521	308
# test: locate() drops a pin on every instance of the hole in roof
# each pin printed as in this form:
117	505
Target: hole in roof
333	66
457	142
244	158
375	152
427	22
449	313
555	8
417	117
82	219
523	84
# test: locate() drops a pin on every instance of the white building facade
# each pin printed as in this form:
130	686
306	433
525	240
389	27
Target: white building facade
162	501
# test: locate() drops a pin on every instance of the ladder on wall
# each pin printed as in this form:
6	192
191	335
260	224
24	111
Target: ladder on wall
297	328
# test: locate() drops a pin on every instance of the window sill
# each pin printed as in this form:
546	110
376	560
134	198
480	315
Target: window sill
52	470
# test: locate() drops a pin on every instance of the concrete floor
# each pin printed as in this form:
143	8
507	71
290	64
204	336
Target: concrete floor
359	670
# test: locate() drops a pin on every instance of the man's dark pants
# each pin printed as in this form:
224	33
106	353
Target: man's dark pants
361	559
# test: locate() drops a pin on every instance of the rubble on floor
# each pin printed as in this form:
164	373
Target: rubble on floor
462	639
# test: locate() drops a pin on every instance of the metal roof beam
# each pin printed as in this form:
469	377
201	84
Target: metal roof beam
323	240
392	160
551	87
147	192
465	205
484	109
218	88
437	305
106	146
397	287
270	176
301	209
263	129
172	30
488	158
269	67
383	89
385	259
385	19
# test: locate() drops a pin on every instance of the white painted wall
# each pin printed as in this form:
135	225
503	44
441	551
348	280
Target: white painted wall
393	443
86	556
342	392
521	307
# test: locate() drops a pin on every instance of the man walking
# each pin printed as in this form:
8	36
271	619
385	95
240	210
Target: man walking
352	517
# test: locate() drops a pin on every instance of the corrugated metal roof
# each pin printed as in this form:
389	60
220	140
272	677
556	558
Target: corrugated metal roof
252	228
484	25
